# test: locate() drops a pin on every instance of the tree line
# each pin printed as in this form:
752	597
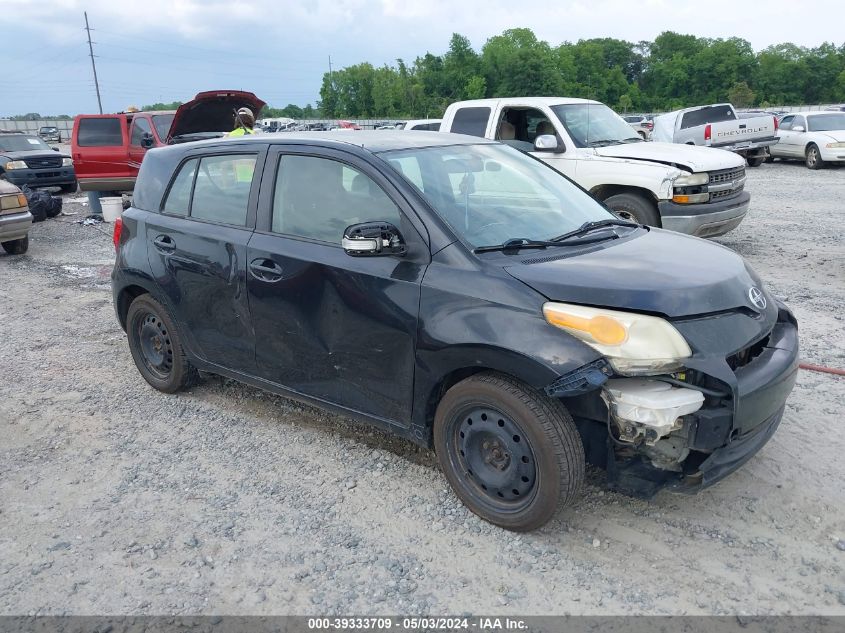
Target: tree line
673	71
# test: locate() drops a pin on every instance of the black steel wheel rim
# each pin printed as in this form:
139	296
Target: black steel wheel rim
155	345
493	458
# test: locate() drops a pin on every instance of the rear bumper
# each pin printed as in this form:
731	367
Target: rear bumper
49	177
750	147
704	220
15	226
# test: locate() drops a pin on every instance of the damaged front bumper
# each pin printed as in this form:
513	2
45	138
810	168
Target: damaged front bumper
744	399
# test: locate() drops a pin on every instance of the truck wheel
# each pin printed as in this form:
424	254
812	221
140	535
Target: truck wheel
512	454
70	188
813	157
17	247
634	207
157	347
756	161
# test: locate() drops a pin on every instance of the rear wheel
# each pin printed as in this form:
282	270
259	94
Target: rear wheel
512	454
634	207
17	247
157	347
813	158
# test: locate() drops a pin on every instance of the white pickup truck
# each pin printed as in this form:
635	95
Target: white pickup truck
694	190
720	127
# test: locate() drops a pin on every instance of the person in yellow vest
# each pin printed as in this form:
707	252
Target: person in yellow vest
244	122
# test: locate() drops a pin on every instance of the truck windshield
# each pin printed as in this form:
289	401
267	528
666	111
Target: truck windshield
492	193
162	123
594	125
21	143
826	122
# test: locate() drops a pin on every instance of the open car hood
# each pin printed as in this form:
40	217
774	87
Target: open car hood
212	112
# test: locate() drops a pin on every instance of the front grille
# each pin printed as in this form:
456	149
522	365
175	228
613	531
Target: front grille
726	175
44	162
727	193
744	356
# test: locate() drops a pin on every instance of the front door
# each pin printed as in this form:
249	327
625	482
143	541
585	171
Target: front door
197	249
338	328
140	127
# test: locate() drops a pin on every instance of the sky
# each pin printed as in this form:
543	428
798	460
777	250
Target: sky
167	50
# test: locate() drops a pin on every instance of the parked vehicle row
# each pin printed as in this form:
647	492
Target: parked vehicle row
694	190
720	127
463	295
641	124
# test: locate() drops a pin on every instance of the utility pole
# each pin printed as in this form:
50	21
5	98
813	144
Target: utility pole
93	65
331	75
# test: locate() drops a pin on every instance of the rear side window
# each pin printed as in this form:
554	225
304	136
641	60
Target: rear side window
99	132
221	192
472	121
179	197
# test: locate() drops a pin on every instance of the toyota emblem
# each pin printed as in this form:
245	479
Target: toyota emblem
757	298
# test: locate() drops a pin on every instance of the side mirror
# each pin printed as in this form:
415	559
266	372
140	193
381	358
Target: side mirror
798	128
546	143
372	239
55	149
147	140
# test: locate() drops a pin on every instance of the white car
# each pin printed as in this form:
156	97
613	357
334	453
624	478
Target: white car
428	125
814	137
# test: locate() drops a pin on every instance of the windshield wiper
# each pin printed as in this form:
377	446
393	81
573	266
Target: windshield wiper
603	142
516	243
634	139
588	227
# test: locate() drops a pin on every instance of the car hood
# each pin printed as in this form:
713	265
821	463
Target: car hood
212	111
7	187
688	156
32	154
659	272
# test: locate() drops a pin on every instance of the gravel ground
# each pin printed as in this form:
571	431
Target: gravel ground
117	499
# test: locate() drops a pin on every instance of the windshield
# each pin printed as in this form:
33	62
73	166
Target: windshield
826	122
21	143
492	193
162	123
594	125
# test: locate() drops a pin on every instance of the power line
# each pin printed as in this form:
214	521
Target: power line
93	65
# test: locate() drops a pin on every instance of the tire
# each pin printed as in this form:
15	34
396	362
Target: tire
642	135
813	158
633	206
157	347
521	462
756	161
70	188
17	247
770	159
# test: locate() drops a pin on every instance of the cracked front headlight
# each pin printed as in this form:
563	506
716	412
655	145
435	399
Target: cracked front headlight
635	344
690	180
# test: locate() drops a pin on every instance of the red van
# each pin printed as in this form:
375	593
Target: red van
107	149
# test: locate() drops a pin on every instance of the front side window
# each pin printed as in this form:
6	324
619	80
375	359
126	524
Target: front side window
491	193
318	198
472	121
139	128
179	197
101	132
799	121
221	191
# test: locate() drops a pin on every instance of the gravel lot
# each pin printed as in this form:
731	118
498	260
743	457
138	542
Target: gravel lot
117	499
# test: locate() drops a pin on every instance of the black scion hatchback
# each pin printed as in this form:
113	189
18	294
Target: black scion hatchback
462	295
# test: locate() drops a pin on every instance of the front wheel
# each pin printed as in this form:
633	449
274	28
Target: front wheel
633	207
756	161
813	157
157	347
512	454
70	188
17	247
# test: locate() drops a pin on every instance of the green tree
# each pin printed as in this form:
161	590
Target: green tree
740	95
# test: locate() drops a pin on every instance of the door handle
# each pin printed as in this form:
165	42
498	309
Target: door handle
265	270
164	243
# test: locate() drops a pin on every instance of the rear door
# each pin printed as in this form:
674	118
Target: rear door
197	248
337	328
100	153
